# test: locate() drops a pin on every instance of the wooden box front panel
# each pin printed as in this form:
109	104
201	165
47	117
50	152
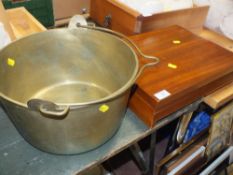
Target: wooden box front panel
123	19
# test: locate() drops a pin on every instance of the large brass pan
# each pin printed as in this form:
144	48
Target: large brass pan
66	90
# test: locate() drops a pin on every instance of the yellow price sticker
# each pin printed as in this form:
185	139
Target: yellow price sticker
11	62
172	66
104	108
176	42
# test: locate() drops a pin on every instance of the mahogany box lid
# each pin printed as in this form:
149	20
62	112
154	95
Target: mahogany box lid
190	68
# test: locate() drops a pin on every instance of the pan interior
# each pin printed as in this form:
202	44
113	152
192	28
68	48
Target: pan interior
66	66
75	92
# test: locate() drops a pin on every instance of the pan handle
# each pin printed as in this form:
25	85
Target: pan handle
156	60
49	109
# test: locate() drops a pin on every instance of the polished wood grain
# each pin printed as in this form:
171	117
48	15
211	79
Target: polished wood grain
129	21
123	19
202	68
220	97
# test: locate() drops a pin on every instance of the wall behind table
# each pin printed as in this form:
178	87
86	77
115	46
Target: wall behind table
67	8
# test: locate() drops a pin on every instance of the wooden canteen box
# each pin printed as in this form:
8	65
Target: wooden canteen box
119	17
190	68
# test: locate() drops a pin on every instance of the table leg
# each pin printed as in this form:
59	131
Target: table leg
139	158
151	162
